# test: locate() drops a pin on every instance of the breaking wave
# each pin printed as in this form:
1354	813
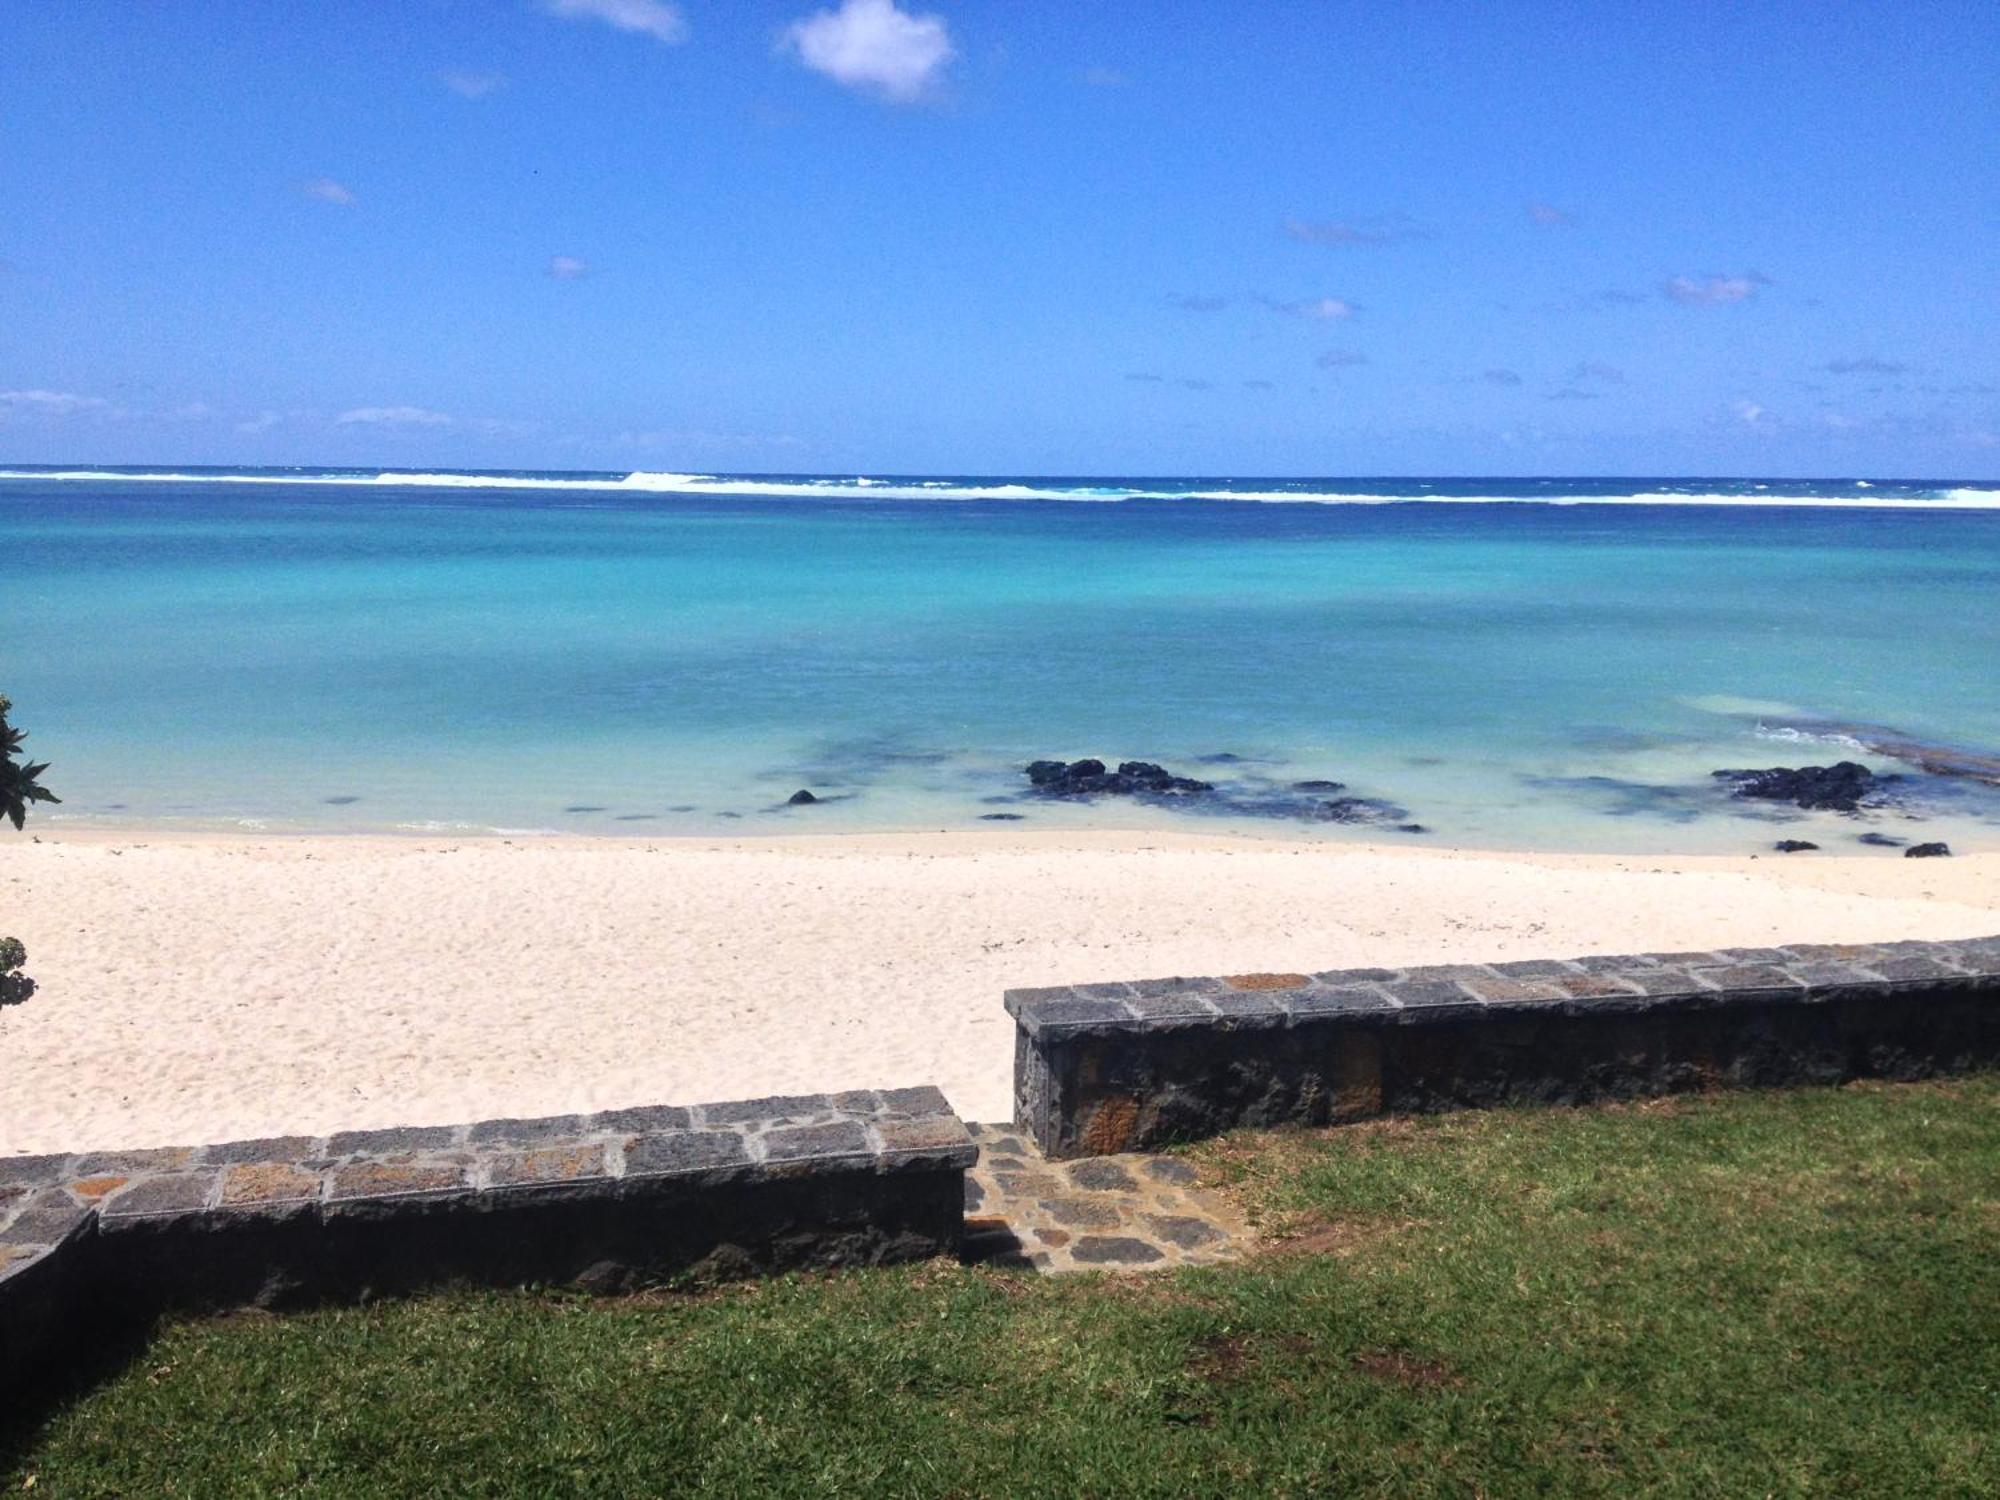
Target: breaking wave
1858	494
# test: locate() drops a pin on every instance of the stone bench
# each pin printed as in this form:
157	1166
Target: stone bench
1103	1068
605	1201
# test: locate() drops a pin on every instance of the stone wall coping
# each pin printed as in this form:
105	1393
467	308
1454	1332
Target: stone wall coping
47	1201
1426	994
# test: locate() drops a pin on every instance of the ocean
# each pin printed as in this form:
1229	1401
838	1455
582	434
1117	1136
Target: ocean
1489	663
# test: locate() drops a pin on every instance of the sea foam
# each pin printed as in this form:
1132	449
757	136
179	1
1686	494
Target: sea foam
863	487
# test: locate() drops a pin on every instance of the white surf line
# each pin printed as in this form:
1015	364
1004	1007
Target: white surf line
648	483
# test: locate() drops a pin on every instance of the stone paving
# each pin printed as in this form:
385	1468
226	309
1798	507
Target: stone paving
1102	1213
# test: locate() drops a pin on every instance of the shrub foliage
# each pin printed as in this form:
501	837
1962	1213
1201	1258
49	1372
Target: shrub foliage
20	785
20	780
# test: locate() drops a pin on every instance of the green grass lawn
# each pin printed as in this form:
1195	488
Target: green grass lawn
1742	1294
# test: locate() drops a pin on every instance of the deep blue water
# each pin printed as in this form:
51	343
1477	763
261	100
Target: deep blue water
668	650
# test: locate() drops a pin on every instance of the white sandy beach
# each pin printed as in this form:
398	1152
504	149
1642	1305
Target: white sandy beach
211	988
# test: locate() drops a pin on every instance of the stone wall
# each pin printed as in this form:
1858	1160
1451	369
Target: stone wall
1102	1068
605	1201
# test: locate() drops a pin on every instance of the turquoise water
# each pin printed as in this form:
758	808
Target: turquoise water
677	655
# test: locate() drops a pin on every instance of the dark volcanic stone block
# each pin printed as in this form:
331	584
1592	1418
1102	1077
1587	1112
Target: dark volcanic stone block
1351	1004
776	1108
1825	977
647	1119
270	1188
1668	983
1176	985
1504	991
685	1153
1432	1001
49	1218
1165	1009
939	1138
1113	1250
131	1163
926	1100
150	1197
556	1166
1100	1175
1076	1015
394	1142
525	1132
1911	970
1347	978
1840	952
1014	1000
1238	1008
1748	981
376	1186
817	1142
1459	972
1612	963
32	1171
1535	968
1186	1232
269	1148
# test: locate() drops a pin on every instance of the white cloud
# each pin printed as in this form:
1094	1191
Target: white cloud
1548	215
873	46
473	85
327	190
1712	291
1105	78
1749	413
1319	309
653	18
391	416
51	403
264	421
568	268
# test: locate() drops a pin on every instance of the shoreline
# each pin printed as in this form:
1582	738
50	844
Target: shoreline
1959	833
212	986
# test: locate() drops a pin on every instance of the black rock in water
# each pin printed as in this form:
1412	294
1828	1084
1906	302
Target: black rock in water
1360	810
1000	817
801	798
1880	840
1319	786
1411	828
1841	787
1927	851
1794	846
1089	778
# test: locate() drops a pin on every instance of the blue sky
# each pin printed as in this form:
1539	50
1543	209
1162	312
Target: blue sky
1003	237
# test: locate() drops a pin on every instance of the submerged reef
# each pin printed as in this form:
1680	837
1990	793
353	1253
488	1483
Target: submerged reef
1846	786
1145	781
1089	778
